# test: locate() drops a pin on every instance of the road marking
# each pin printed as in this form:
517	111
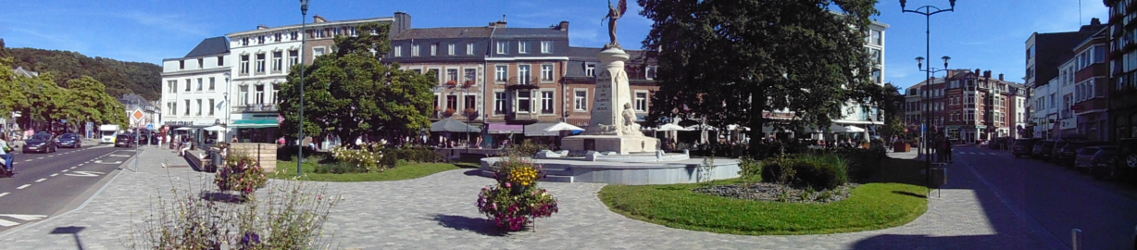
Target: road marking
23	186
3	194
81	164
39	158
27	160
41	180
55	174
73	167
24	216
119	155
8	223
64	171
85	174
109	163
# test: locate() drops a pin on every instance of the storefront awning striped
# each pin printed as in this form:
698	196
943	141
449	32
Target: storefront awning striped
256	123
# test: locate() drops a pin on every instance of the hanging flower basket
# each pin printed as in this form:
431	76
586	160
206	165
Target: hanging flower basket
467	83
451	83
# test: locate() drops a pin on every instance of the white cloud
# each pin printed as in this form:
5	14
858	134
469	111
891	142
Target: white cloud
173	23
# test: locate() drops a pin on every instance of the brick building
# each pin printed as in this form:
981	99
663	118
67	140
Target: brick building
967	106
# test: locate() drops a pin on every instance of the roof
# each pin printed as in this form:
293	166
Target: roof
210	46
479	32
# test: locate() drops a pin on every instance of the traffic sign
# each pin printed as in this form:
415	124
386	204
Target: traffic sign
137	115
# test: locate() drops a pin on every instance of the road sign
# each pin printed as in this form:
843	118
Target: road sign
137	115
150	126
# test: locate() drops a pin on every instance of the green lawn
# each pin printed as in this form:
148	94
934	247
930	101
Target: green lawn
404	171
871	206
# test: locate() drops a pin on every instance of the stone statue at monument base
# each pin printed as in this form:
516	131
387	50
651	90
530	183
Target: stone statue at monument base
613	126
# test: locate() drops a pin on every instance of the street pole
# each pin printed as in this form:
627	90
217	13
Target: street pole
927	11
303	38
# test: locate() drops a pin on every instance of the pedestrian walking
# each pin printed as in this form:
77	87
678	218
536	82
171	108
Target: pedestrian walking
6	155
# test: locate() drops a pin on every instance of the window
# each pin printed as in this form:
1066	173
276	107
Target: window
188	85
211	104
452	102
471	102
470	49
277	37
398	51
522	47
220	61
450	49
649	72
261	63
201	63
501	73
877	37
259	94
546	72
471	75
172	85
414	50
212	83
590	69
187	106
433	49
498	102
293	57
243	95
523	74
277	61
275	93
244	64
261	40
524	104
501	47
317	52
641	101
173	108
452	75
546	102
181	64
546	47
580	100
244	41
294	35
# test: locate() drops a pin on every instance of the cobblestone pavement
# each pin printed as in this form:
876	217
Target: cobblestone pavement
438	211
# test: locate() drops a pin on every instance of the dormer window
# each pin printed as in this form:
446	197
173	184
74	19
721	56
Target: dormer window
501	46
521	47
546	47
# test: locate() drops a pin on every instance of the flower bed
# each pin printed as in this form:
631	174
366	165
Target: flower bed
779	193
240	173
516	201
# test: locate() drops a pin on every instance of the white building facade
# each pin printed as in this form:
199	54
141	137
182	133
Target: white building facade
862	115
194	86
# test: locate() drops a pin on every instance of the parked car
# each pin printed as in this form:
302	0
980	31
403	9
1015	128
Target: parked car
1105	163
42	142
1024	146
69	140
1083	160
1127	159
1042	149
125	140
1066	152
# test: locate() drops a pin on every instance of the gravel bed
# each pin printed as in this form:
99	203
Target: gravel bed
778	192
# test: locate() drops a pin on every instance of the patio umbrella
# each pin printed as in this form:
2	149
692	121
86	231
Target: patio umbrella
562	126
672	127
451	125
215	128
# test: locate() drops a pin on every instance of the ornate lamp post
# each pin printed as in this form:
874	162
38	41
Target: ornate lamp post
300	138
927	11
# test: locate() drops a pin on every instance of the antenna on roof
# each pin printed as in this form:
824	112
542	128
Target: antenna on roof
1079	12
503	16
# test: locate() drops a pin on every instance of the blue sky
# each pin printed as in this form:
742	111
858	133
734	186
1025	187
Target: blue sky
980	34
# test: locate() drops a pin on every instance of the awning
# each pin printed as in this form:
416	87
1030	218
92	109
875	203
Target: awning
502	128
547	129
256	123
453	126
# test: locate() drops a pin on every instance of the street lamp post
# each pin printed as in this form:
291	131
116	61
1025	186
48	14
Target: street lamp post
927	11
300	138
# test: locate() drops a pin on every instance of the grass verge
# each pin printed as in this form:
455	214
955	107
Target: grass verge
402	171
871	206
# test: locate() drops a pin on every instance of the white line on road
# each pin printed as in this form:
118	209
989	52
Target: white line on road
81	164
41	180
39	158
55	174
7	223
3	194
27	160
64	171
23	186
74	167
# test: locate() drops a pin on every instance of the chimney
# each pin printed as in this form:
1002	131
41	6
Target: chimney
261	27
976	72
1000	76
987	74
563	26
318	19
1095	21
499	24
402	23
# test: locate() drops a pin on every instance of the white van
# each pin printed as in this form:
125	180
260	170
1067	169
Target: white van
108	132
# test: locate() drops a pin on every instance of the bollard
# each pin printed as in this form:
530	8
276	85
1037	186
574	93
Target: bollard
1075	233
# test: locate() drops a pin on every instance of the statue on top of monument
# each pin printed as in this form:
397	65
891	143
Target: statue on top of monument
614	13
629	123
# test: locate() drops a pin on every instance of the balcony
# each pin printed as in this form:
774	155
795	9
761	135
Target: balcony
518	83
259	108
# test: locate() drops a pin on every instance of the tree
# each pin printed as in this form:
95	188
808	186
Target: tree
890	102
352	93
731	60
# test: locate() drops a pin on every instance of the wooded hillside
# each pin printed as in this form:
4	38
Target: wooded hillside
120	77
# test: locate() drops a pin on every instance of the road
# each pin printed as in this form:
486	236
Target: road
1053	199
48	184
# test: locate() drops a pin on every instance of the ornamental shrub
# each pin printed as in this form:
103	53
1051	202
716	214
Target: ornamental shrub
863	163
516	201
241	173
750	170
366	158
822	172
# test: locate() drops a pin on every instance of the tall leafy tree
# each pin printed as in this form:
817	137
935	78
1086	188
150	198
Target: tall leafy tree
352	93
729	60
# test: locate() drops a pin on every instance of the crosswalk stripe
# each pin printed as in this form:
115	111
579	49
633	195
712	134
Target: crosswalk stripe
7	223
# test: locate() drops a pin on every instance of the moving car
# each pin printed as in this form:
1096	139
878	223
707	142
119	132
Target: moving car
1023	146
108	132
69	140
125	140
41	142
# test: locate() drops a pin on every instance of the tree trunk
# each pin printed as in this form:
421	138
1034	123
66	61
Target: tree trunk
757	105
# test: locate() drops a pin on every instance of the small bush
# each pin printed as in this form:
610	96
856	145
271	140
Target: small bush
863	163
822	172
526	149
241	173
410	153
339	168
365	159
750	170
516	201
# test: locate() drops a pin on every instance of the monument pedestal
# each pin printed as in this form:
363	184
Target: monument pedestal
610	143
